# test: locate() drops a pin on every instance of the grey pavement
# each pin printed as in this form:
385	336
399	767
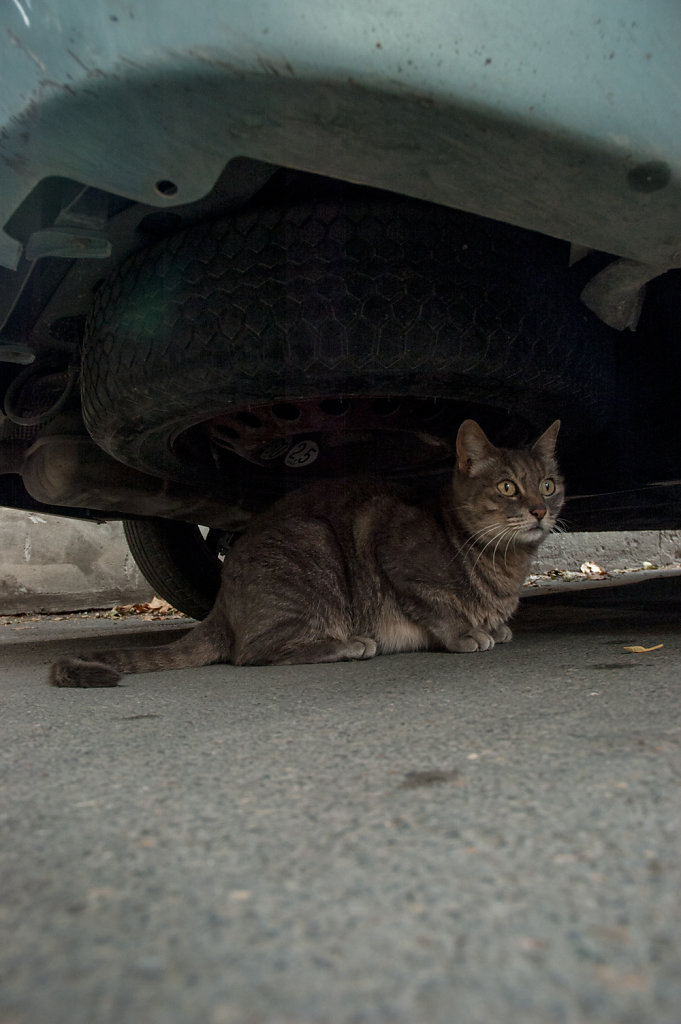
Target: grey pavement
446	839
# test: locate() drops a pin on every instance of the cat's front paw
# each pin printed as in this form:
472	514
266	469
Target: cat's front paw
503	634
474	640
363	647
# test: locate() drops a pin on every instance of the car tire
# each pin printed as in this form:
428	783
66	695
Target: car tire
380	296
178	561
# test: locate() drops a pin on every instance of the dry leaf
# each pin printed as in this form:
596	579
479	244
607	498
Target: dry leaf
591	569
636	649
157	608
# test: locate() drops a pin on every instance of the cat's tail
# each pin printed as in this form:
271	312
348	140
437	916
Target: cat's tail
202	646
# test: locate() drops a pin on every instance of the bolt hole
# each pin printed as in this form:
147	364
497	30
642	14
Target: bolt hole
334	406
385	406
286	411
164	187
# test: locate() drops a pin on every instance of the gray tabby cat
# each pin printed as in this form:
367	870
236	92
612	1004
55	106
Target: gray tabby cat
349	570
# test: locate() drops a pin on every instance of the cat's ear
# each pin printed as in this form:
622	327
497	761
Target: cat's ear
545	446
473	448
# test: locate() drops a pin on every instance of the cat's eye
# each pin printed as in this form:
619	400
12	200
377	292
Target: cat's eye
507	488
548	486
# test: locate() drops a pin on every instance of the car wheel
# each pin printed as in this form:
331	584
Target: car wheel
295	337
181	561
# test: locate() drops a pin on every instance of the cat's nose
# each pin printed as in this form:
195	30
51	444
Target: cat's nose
538	512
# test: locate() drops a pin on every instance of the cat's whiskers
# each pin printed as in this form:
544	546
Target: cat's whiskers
512	531
502	531
476	537
479	534
472	540
512	539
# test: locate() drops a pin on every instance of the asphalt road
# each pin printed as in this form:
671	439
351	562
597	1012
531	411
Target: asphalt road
417	839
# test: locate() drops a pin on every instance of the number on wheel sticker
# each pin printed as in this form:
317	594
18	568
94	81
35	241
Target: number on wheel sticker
302	454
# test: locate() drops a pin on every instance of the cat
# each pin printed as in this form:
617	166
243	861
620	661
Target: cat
350	569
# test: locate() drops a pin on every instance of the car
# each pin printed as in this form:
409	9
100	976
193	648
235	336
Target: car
247	246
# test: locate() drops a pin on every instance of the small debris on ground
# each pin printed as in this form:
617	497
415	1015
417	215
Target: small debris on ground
591	573
592	570
636	649
149	611
157	608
